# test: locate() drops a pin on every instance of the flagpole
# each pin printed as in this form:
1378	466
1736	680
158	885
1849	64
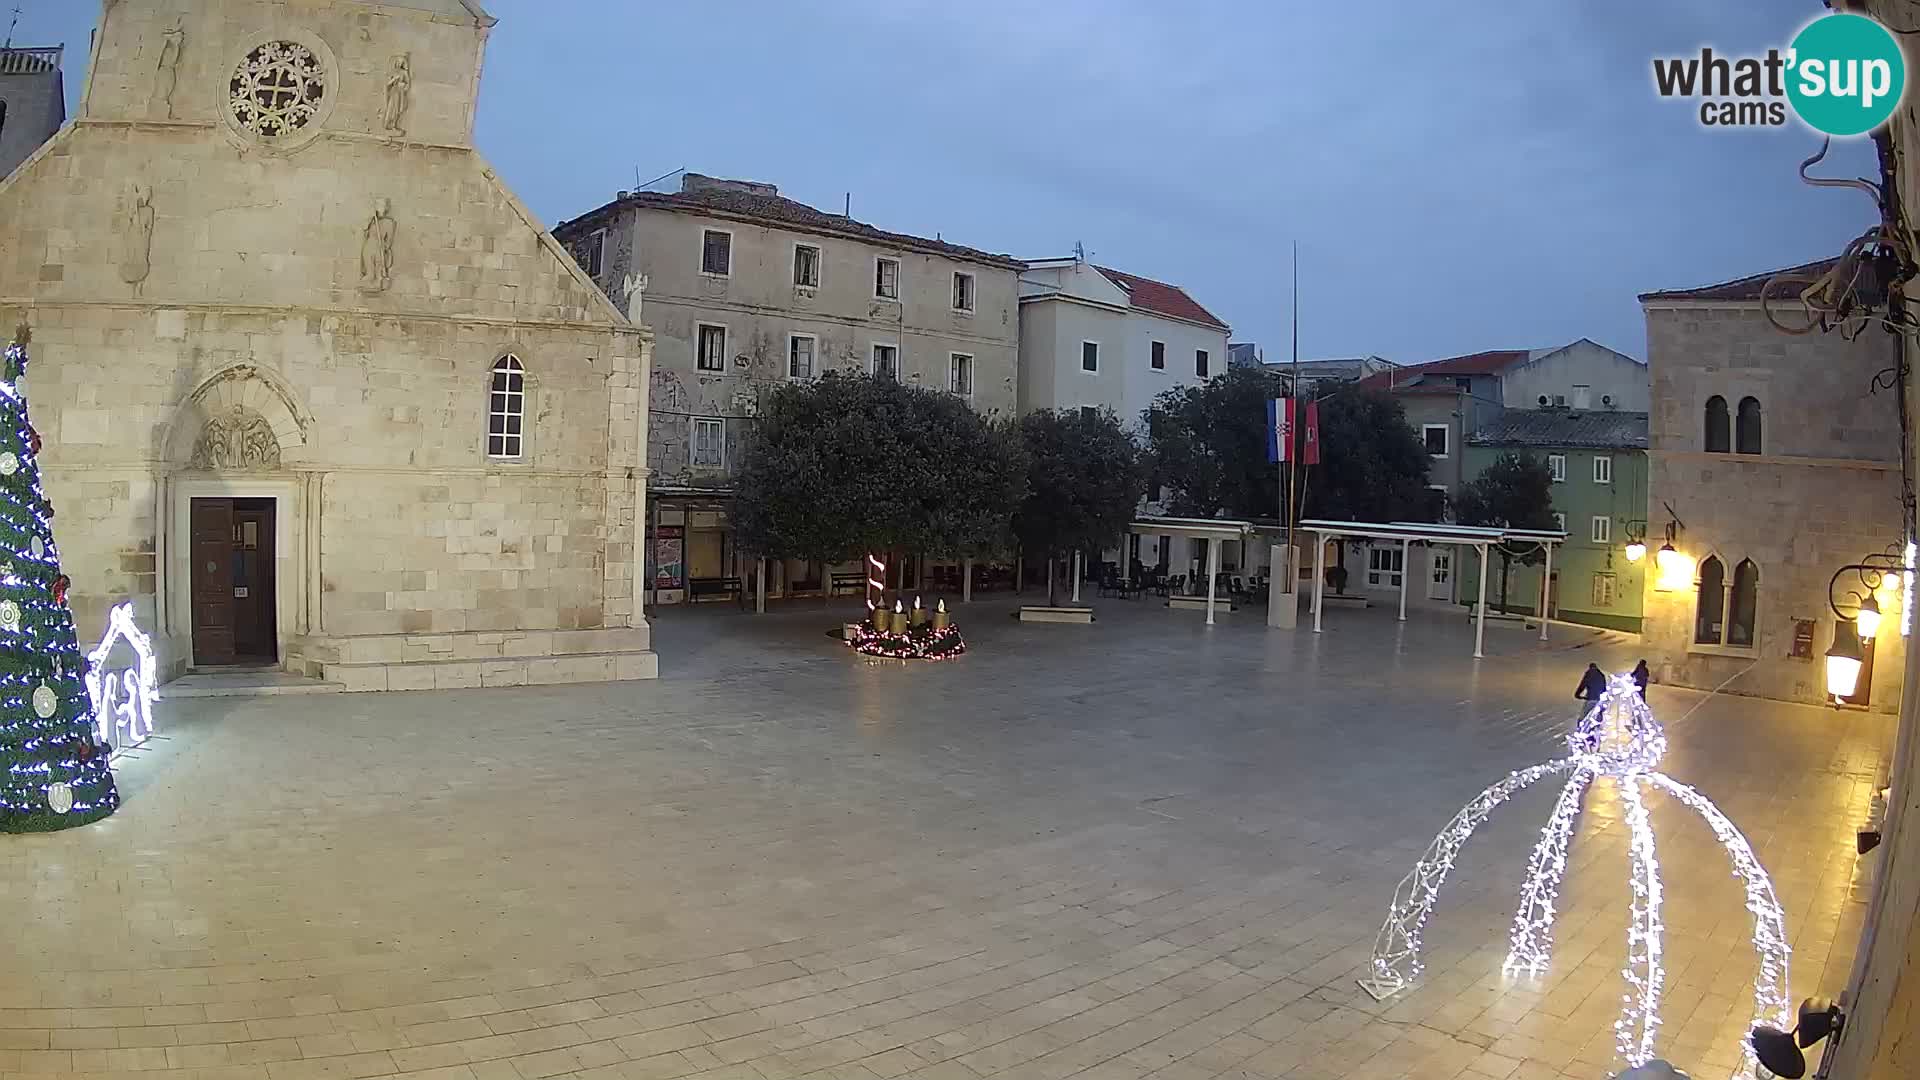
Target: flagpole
1293	454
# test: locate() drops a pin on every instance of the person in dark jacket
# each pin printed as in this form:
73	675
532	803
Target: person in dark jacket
1593	683
1641	677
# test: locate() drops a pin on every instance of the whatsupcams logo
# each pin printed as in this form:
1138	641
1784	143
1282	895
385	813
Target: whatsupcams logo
1843	75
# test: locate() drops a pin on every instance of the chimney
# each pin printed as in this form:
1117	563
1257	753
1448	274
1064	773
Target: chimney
692	182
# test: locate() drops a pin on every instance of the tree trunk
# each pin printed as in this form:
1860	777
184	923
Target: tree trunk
1052	557
1506	568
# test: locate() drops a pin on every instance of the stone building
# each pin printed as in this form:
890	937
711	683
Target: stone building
747	289
33	102
1776	464
316	389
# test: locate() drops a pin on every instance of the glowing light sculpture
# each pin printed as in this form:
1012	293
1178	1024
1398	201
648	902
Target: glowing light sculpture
1617	739
122	707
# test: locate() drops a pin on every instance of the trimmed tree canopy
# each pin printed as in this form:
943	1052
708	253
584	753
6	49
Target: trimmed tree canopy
1208	445
1083	480
1515	492
851	464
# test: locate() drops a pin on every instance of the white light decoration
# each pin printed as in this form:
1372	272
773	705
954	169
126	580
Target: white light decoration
1618	740
122	706
1906	592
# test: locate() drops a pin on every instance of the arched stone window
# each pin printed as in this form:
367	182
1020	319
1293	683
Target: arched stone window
1719	430
1743	603
507	409
1746	428
1710	605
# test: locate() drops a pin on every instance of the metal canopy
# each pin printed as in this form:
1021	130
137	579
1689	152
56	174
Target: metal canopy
1196	528
1410	532
1212	530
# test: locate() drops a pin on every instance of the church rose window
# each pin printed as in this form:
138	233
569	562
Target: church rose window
277	89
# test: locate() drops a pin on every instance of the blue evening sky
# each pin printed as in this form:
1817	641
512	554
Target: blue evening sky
1470	175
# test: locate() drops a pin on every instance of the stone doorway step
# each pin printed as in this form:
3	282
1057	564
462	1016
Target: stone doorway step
244	682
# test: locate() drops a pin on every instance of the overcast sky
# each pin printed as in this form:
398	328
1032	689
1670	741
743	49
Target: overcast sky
1469	175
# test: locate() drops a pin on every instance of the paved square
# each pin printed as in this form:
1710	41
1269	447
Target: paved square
1137	849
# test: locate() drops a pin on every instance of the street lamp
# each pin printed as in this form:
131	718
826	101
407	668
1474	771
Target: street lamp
1636	551
1882	570
1675	569
1843	661
1867	619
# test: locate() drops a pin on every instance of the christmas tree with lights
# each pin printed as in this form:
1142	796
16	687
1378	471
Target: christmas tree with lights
53	769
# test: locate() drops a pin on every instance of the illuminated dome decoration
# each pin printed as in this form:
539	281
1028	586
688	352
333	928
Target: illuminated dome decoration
1619	740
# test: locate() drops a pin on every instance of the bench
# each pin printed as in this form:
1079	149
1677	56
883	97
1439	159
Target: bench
843	582
713	586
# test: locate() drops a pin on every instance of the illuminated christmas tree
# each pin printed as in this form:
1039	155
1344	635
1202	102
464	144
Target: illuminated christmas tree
53	769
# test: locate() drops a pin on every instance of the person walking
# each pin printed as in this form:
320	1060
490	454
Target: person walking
1593	683
1641	677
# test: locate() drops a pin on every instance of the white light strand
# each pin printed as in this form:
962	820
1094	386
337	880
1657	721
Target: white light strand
1639	1018
122	722
1618	739
1532	936
1396	949
1769	921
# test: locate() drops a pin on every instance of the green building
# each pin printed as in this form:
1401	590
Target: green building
1599	465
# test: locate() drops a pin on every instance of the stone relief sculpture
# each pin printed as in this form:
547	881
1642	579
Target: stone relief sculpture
237	439
136	236
399	94
376	249
635	288
173	41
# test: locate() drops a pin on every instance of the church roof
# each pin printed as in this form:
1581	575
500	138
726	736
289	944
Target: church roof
460	9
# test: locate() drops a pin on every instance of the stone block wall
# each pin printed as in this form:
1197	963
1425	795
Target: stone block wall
246	287
1824	492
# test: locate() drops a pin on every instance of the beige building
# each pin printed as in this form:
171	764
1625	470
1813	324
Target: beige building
745	290
316	389
1777	466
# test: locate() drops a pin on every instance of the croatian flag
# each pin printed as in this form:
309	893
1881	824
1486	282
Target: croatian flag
1280	421
1279	429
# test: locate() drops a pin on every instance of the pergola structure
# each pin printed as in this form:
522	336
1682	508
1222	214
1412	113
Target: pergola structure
1213	531
1410	532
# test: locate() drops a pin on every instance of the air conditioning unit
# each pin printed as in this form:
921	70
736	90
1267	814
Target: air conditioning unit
1607	400
1543	400
1559	399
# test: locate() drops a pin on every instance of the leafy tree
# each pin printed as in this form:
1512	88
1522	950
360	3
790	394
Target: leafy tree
1515	492
1083	482
1373	467
851	464
1207	445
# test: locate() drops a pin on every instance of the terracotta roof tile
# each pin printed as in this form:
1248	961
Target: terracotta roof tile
1746	288
1491	362
780	211
1161	298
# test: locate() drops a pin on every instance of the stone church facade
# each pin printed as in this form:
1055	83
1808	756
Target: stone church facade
316	389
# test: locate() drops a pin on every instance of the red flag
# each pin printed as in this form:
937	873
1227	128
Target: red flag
1311	454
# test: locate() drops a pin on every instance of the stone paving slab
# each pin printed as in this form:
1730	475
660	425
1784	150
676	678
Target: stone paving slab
1144	848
